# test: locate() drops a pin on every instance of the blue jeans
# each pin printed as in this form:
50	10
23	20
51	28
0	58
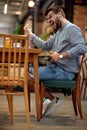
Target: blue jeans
53	72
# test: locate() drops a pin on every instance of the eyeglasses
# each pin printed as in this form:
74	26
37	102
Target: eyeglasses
49	16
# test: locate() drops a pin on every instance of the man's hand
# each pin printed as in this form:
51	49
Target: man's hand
28	29
54	56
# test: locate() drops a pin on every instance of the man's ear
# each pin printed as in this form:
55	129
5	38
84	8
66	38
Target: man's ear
58	15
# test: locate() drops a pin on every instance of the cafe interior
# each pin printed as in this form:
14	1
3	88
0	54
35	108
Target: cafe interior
20	107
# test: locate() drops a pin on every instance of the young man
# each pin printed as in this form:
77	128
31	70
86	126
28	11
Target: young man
65	47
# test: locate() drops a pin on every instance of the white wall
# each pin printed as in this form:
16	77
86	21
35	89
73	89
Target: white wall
7	23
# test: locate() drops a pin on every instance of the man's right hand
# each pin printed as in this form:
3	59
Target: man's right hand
28	29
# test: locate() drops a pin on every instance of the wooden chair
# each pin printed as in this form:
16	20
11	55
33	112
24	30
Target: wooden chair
14	68
73	85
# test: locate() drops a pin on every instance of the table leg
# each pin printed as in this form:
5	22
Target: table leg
36	78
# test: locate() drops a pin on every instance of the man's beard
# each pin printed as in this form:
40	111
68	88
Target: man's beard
58	26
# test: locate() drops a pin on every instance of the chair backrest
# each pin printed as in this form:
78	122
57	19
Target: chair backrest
84	76
13	59
84	67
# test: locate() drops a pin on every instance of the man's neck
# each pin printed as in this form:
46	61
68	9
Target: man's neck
63	22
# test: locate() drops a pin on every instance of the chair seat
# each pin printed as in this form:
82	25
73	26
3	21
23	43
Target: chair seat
59	83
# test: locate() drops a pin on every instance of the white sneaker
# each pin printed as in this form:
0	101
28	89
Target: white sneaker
52	106
45	104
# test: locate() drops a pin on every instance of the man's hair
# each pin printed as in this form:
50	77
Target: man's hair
55	9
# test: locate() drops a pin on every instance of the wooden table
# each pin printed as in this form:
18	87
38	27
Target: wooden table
33	58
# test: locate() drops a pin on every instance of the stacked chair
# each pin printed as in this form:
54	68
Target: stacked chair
14	69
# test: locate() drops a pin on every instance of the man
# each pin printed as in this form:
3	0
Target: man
65	47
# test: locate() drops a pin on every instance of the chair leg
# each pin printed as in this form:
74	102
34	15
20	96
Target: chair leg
84	93
11	109
10	102
78	98
74	101
82	86
29	99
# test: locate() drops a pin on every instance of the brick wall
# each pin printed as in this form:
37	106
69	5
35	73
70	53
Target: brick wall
80	17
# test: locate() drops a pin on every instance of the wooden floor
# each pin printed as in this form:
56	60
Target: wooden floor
62	119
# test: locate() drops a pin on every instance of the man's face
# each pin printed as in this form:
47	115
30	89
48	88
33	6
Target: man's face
53	20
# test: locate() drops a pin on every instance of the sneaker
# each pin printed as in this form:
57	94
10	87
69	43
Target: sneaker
45	104
52	106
